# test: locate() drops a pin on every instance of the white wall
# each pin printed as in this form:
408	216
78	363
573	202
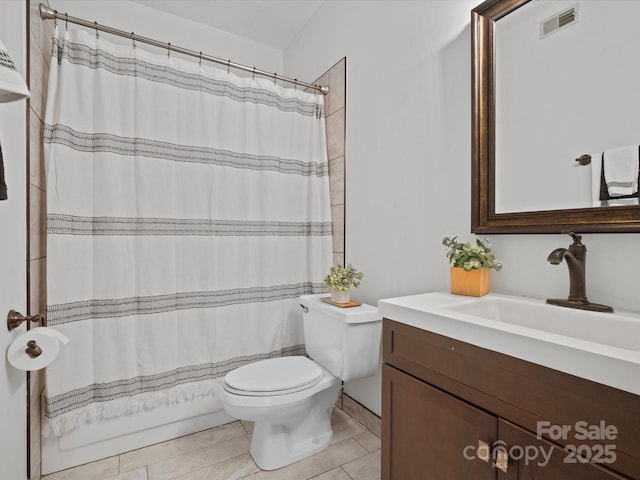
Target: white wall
13	399
408	138
152	23
408	159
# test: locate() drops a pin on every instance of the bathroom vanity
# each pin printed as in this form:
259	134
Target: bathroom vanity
456	407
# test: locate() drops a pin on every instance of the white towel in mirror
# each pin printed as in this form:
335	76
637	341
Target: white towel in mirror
621	170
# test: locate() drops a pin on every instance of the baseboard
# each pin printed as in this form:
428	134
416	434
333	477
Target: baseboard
361	414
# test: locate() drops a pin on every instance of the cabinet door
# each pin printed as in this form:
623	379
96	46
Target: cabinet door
543	460
431	435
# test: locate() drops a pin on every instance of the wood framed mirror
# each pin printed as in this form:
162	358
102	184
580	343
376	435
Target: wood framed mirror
485	218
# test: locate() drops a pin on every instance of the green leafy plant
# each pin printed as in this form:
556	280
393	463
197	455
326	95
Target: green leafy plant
471	255
342	279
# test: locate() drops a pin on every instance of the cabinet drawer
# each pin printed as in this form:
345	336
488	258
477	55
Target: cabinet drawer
519	391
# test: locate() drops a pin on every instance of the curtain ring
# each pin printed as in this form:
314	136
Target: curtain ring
169	50
96	27
133	39
66	21
253	77
228	66
200	58
295	84
275	77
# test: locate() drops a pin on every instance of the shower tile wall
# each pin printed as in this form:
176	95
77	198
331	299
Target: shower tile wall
335	111
40	34
336	114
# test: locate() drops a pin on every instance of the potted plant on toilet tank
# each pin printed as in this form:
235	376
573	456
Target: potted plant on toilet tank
471	264
340	280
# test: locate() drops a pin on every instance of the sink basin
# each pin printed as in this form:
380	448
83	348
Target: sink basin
603	347
609	329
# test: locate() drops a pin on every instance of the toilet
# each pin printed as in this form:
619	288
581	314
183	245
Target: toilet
290	399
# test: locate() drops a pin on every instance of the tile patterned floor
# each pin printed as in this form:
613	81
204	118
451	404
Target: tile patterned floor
222	453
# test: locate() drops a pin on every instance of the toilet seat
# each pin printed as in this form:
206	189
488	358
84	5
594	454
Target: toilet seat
274	376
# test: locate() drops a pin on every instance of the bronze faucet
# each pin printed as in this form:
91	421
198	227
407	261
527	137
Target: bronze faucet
576	256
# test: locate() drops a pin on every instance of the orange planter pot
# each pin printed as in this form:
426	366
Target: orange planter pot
474	283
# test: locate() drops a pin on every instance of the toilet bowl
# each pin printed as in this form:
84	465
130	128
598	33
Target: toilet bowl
290	423
290	399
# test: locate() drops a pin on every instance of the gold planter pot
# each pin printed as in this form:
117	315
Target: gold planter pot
474	283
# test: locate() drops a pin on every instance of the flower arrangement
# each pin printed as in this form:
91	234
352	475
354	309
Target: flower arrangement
342	279
470	255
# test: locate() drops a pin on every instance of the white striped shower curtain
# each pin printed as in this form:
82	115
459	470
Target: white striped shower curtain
187	209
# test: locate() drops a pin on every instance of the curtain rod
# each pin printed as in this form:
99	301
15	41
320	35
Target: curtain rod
47	13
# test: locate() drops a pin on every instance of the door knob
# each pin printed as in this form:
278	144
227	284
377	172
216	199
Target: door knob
15	319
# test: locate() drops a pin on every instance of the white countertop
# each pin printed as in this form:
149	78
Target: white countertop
601	347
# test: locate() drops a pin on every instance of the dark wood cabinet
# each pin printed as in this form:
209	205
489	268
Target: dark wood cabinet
416	452
451	410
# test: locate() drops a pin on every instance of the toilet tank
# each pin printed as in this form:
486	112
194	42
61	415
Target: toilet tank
345	341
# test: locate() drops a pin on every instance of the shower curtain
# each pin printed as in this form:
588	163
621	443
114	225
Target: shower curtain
187	209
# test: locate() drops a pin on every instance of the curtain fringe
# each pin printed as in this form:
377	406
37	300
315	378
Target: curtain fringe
127	406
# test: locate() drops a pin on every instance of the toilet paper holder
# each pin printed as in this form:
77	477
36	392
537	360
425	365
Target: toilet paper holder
15	319
36	348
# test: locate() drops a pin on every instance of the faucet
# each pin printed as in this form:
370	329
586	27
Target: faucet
575	256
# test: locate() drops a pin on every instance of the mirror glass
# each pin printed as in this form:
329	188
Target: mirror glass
566	85
554	81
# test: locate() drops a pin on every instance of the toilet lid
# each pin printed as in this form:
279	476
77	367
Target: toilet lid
275	375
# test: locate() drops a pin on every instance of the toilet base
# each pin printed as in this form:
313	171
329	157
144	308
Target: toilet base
275	445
